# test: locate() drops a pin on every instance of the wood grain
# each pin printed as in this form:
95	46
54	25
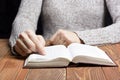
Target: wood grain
47	74
85	73
112	73
11	67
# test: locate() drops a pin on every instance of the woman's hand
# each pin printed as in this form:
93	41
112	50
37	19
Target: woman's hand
29	42
64	37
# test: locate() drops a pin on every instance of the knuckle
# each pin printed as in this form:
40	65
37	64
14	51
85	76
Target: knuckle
17	41
21	35
60	31
18	51
23	53
69	42
40	37
28	51
32	47
28	31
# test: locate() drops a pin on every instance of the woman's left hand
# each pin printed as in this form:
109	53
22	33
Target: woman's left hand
64	37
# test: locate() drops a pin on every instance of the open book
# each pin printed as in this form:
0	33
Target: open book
60	56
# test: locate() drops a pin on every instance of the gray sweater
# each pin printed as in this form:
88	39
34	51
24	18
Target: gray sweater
85	17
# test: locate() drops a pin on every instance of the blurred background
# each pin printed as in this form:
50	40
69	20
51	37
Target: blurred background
8	10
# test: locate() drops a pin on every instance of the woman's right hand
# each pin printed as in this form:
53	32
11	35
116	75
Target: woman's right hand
29	42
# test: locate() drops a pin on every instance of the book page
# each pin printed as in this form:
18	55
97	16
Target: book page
52	52
88	51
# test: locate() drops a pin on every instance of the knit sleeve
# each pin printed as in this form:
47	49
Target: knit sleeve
26	18
108	34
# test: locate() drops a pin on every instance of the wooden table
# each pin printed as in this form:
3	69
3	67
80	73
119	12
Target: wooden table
11	67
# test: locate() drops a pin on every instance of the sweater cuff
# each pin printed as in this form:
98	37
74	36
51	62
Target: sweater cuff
12	42
90	38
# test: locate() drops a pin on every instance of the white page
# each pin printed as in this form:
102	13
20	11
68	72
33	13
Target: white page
52	52
87	50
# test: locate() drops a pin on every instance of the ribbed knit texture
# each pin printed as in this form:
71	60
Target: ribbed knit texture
85	17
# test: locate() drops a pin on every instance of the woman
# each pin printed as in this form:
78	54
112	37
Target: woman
64	22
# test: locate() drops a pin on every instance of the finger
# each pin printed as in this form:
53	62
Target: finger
22	46
58	40
37	42
19	51
64	42
52	39
48	43
27	41
41	39
60	37
63	38
55	39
